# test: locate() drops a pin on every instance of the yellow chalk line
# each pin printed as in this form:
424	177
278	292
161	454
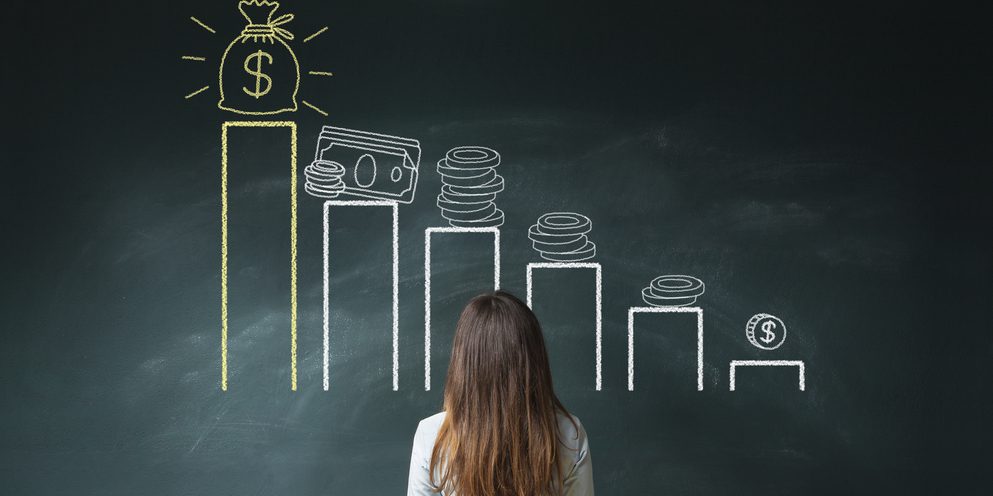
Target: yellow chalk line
319	111
197	92
293	256
224	257
325	28
208	28
319	73
193	57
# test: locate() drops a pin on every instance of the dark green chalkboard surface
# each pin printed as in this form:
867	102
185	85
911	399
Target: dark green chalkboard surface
828	165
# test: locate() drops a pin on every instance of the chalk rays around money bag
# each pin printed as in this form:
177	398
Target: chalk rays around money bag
259	73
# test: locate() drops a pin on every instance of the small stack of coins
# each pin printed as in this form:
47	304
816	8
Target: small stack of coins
324	178
672	291
561	237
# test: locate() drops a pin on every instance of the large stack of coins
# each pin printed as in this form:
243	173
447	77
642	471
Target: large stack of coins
672	291
561	237
470	185
324	179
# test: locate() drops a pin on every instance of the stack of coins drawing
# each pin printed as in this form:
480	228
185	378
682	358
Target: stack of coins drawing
561	237
470	185
324	178
672	291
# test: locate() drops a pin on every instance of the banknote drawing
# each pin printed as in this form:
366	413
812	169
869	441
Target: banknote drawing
364	164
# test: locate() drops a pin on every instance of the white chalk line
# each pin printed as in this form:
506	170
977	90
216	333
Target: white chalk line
360	203
427	281
462	230
396	298
801	370
699	343
327	207
396	283
598	354
565	265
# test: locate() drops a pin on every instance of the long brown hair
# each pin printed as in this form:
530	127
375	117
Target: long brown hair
500	434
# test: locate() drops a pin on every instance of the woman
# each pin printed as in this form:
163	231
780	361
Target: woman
503	431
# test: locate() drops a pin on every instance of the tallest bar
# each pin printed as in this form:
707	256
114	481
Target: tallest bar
292	255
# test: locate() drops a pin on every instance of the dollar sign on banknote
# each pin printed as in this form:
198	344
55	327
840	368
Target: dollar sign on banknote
255	59
773	331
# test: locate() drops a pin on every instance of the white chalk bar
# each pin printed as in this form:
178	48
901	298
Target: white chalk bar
598	291
450	231
633	311
328	205
801	369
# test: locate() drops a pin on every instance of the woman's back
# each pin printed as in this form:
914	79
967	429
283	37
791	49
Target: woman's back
503	431
575	464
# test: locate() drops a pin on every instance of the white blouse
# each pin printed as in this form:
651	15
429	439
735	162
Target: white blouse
574	458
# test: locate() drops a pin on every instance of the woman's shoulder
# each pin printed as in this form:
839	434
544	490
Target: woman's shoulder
427	432
430	426
571	430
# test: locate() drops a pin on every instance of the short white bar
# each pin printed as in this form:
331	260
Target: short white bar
598	380
699	339
427	281
396	287
801	369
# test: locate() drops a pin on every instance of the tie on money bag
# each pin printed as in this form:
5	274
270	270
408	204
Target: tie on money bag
259	72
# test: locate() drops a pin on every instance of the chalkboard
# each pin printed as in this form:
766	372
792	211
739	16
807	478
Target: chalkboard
821	170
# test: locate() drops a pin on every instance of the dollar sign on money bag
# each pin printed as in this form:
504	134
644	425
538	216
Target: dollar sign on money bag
767	335
259	73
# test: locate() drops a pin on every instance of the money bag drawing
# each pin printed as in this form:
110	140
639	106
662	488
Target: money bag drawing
259	72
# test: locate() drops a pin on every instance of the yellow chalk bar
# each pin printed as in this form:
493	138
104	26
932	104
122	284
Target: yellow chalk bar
293	244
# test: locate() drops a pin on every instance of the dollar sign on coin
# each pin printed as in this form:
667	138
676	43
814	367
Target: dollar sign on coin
767	335
257	72
773	331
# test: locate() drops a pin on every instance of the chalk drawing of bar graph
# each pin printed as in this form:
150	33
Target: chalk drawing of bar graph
801	369
427	281
699	338
396	269
598	380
